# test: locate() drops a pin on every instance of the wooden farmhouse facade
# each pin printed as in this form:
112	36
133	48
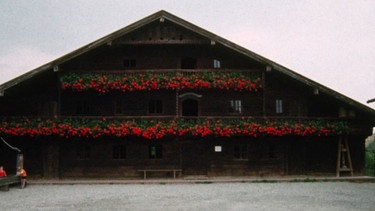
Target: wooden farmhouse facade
165	94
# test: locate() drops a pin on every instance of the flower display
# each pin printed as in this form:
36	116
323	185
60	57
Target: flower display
70	128
154	81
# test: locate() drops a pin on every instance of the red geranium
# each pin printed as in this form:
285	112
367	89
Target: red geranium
68	128
154	81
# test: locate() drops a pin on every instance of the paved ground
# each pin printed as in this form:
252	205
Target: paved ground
191	195
202	179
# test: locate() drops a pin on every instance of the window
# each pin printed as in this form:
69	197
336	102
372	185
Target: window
82	108
129	63
279	106
119	152
271	151
235	106
268	151
240	152
188	63
217	63
83	152
118	106
155	107
155	151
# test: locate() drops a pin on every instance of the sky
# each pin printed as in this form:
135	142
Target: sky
329	41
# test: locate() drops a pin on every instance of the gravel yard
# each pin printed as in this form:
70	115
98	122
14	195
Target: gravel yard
215	196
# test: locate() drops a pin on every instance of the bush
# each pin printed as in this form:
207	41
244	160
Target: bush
370	163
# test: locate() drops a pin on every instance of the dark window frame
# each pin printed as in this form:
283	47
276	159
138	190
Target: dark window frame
217	63
189	63
83	108
241	152
235	106
129	63
83	152
279	106
118	106
155	151
155	106
119	152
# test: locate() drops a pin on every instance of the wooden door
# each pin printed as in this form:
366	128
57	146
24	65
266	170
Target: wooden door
194	158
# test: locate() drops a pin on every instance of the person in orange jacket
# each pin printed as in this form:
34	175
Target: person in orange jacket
21	172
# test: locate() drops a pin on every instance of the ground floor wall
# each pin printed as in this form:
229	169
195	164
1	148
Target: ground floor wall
53	157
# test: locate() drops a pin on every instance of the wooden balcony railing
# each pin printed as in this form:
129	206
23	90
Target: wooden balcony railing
161	127
177	79
164	71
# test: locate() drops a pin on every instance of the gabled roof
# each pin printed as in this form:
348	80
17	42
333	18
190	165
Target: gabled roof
189	26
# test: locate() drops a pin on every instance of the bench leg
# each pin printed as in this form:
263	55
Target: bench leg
4	188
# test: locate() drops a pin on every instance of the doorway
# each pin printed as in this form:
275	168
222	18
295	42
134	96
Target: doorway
194	158
190	107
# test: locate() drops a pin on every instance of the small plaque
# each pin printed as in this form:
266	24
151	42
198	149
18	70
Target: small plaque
217	148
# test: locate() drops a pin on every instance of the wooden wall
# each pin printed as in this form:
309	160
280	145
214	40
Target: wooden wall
166	47
195	156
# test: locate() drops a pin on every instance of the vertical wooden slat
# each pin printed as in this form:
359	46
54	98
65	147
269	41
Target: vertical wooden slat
338	167
264	93
343	153
348	156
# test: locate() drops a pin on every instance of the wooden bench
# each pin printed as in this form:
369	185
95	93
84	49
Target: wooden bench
9	180
174	171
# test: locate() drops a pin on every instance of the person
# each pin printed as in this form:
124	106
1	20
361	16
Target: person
21	172
2	172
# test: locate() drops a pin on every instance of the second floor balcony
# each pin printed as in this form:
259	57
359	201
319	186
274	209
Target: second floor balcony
177	79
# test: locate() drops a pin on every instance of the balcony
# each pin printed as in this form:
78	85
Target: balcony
163	127
137	80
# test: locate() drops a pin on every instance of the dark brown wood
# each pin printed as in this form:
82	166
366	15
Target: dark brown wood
5	182
344	161
176	46
174	171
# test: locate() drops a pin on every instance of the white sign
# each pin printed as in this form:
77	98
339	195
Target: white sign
217	148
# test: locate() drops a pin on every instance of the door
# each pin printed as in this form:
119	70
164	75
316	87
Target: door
190	107
194	157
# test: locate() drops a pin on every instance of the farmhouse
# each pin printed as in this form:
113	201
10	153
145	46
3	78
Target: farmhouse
163	97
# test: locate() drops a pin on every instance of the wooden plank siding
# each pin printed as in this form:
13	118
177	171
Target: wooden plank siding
165	44
270	157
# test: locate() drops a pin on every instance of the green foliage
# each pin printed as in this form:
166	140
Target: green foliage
148	80
151	129
370	163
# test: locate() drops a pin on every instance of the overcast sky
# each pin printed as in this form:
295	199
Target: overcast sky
330	42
